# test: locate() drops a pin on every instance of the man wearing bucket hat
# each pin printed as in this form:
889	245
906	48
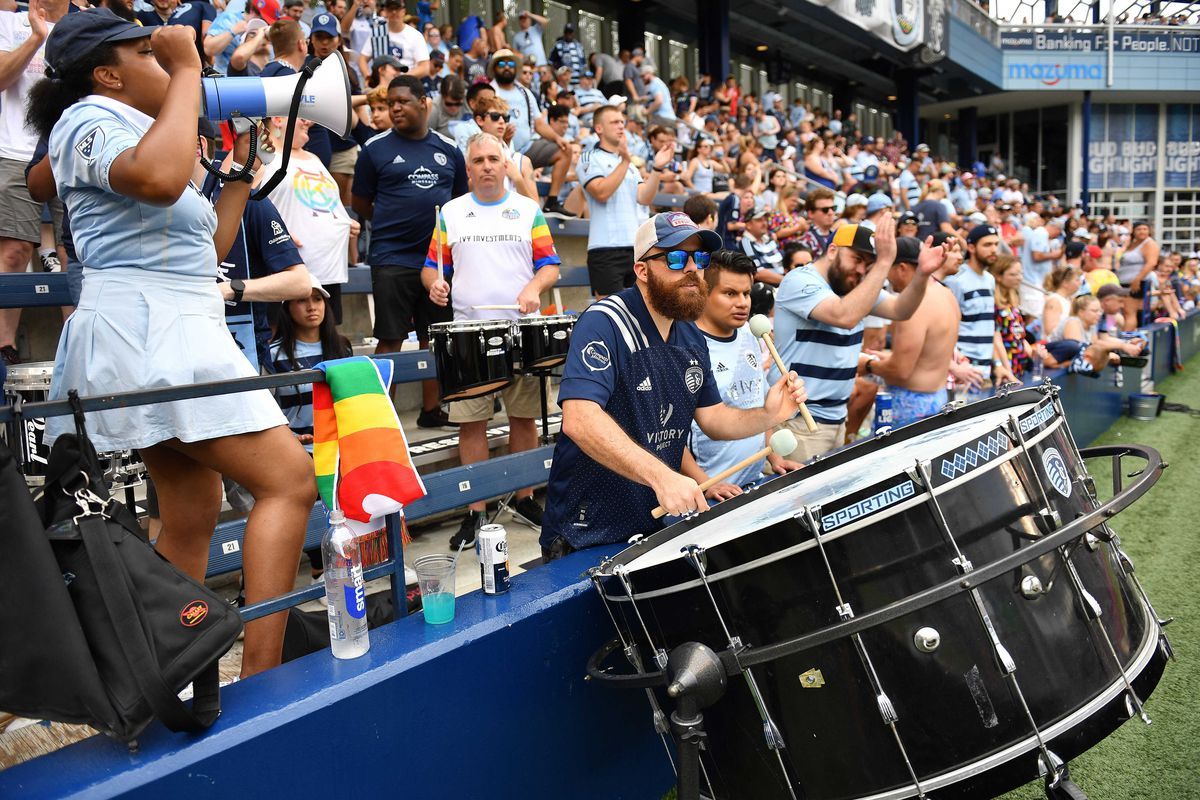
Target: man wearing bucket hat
636	377
121	115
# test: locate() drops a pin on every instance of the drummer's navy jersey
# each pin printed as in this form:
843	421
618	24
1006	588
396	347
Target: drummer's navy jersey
651	389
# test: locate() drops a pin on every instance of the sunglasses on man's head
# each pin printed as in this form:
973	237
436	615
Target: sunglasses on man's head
677	259
495	116
509	64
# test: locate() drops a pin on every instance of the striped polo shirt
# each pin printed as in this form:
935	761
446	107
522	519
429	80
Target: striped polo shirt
976	296
824	356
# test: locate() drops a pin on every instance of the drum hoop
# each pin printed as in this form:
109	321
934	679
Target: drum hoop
470	325
844	530
554	319
1111	692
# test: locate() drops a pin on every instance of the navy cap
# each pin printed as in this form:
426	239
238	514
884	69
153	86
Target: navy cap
980	231
325	23
908	250
1074	249
76	35
908	217
671	229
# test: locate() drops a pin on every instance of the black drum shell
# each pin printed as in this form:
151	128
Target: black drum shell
956	710
470	362
544	342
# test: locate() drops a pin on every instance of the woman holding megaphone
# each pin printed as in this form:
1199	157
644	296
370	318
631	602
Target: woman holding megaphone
120	108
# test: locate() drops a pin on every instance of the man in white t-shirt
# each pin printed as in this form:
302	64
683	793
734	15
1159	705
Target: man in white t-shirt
497	249
737	364
528	41
404	42
22	52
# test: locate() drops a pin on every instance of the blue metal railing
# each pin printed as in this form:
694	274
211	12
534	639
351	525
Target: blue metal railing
415	366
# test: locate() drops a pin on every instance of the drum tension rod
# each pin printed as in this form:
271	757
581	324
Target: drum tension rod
1004	660
1090	606
809	518
695	556
629	648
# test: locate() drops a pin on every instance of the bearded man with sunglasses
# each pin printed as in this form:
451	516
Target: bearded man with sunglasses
636	377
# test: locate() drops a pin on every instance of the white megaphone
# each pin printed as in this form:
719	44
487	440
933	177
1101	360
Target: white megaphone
324	99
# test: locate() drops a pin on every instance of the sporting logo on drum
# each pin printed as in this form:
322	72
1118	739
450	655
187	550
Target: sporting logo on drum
1056	471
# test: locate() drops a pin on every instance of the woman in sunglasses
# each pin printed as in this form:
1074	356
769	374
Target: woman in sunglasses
492	116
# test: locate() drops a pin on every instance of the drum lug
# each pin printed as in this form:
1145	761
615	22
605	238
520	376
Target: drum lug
696	556
927	640
963	564
1031	587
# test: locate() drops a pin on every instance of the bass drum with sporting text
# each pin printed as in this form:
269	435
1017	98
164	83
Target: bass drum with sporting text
969	694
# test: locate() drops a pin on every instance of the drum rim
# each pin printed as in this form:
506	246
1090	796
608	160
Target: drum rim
1134	669
459	325
549	319
811	543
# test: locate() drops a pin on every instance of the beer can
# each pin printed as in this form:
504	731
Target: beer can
491	543
883	412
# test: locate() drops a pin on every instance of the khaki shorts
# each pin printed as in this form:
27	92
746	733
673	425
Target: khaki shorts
827	437
522	400
20	214
343	161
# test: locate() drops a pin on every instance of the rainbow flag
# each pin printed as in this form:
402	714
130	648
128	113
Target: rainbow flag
359	450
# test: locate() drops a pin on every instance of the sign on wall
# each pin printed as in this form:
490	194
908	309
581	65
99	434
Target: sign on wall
903	24
1122	150
1182	165
1072	71
1095	40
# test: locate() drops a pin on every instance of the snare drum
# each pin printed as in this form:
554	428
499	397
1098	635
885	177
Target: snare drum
950	698
544	341
473	357
30	382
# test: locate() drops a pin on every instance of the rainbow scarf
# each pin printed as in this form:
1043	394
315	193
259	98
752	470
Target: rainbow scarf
359	450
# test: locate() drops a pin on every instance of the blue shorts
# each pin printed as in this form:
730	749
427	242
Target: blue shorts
909	406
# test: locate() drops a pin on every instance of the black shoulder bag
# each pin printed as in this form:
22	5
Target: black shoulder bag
96	627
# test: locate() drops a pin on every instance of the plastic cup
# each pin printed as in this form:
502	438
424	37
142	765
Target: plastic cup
435	575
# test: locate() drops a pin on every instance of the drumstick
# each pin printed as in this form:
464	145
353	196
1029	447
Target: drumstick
783	443
513	307
437	232
760	326
558	306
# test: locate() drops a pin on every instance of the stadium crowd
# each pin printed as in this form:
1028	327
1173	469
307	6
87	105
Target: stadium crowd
883	263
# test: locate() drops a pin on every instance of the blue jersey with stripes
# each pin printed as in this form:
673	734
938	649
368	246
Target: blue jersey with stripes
976	296
826	357
651	388
296	401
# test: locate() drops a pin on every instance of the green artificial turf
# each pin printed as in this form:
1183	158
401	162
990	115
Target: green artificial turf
1161	533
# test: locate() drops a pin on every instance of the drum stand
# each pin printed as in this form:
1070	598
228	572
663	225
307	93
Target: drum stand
543	376
696	681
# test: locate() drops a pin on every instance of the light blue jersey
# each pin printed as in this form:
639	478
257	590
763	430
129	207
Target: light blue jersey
111	230
976	296
737	367
613	222
824	356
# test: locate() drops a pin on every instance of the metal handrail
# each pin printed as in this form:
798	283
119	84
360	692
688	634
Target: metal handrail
393	567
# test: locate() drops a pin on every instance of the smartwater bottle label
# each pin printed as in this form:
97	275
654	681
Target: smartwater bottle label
356	597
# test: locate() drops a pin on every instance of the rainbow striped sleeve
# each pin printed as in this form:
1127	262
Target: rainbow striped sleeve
544	254
440	239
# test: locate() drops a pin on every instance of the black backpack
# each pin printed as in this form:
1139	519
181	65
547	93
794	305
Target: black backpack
96	627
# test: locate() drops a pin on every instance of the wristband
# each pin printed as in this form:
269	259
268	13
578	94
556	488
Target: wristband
235	167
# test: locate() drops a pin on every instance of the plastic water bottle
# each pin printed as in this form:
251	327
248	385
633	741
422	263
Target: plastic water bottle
344	590
1039	369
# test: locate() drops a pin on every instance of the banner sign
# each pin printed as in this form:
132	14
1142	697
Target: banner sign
1094	39
1122	151
1182	166
1072	71
903	24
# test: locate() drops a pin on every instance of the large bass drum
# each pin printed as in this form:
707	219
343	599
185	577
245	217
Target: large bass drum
965	697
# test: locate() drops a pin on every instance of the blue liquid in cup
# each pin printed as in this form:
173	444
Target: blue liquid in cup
439	607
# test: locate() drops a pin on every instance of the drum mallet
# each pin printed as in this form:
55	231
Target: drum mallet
783	444
760	326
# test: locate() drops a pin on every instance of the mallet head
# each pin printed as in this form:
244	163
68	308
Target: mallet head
783	442
760	325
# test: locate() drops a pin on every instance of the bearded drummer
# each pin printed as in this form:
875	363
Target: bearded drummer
635	378
497	246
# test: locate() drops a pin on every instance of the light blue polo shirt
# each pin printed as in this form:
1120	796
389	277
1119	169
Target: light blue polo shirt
613	222
112	230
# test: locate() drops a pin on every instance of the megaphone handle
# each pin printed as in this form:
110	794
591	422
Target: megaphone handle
238	174
306	72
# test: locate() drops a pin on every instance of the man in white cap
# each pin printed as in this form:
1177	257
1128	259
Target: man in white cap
636	377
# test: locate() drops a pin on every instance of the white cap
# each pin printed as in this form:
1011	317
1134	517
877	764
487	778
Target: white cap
316	284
